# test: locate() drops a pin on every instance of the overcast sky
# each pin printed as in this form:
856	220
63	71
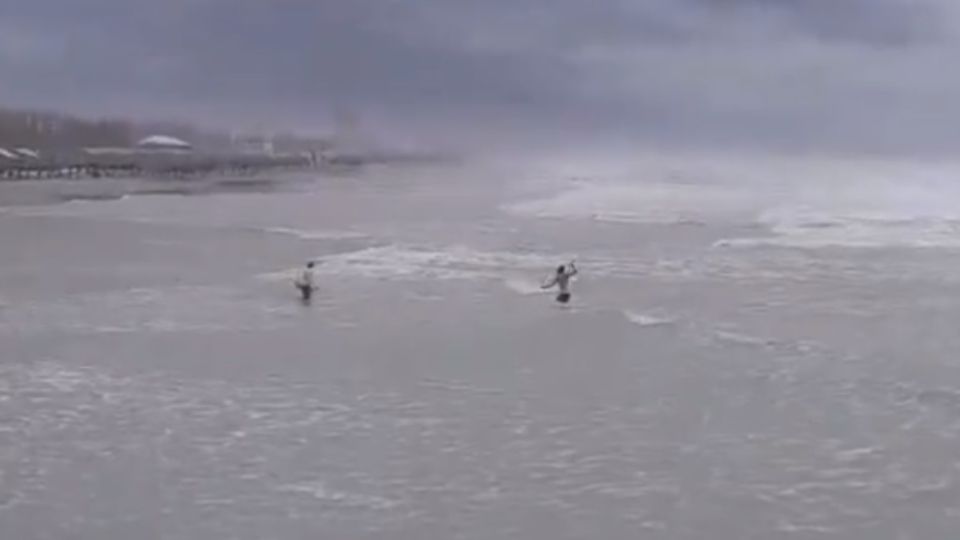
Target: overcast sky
858	74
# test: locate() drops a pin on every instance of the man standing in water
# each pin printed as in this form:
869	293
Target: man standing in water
562	280
304	282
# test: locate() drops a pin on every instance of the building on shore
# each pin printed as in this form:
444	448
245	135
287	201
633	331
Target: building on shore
164	143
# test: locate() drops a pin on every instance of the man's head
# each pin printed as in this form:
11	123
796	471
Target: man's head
310	264
561	269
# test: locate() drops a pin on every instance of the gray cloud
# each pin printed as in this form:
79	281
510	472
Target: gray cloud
871	74
875	22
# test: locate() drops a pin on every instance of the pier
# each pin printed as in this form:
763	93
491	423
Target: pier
97	163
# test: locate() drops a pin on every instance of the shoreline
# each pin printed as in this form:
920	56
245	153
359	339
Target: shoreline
53	191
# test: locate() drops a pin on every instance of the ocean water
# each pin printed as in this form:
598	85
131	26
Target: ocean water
756	349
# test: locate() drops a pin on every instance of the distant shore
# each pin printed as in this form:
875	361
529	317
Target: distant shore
119	163
59	190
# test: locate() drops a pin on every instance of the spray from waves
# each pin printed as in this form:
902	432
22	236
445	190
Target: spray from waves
873	207
662	188
522	285
803	203
641	202
803	227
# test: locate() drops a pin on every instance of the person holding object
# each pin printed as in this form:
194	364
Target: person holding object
561	280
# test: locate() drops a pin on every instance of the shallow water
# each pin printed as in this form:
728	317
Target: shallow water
717	375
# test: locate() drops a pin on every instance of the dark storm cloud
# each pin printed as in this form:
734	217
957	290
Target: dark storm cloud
698	71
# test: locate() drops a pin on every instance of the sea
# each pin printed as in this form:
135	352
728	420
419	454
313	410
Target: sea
758	348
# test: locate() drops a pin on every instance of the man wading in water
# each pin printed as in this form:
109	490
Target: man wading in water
562	280
304	283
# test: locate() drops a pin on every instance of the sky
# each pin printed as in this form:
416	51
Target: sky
844	75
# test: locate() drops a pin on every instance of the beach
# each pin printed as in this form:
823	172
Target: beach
750	352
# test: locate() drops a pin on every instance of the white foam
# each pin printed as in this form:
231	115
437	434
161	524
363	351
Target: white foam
796	529
647	319
854	455
80	200
287	274
319	490
520	272
737	338
398	261
315	234
523	286
803	230
872	208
